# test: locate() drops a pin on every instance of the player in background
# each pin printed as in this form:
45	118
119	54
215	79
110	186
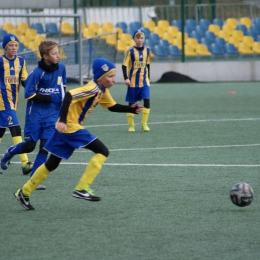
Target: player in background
136	72
44	92
13	73
70	134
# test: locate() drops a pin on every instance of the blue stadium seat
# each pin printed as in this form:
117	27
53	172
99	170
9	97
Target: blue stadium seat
255	27
188	30
164	43
2	33
174	51
21	47
147	32
51	28
122	25
149	43
217	50
201	30
176	23
210	36
191	23
135	25
38	27
220	22
242	28
196	35
204	23
221	42
154	38
207	42
231	49
159	51
252	32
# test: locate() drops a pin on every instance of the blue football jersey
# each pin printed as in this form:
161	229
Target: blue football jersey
44	83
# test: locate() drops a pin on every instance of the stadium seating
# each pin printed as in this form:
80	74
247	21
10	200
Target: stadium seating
230	49
210	36
242	28
93	26
2	33
147	32
232	22
191	23
173	30
159	31
111	39
179	36
224	35
66	28
189	51
196	35
164	43
149	24
249	40
204	23
244	49
52	28
202	50
228	29
234	41
22	27
31	33
192	42
238	34
107	27
87	33
159	51
221	42
246	21
126	37
214	28
154	38
217	50
256	47
122	25
119	31
8	27
173	50
1	52
176	23
62	54
38	27
163	24
188	30
121	45
134	26
219	22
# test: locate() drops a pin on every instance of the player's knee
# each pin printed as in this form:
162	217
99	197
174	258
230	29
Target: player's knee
41	150
15	131
28	147
105	151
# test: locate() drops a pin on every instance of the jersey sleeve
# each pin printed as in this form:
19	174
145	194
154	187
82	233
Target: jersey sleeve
148	56
126	58
107	100
31	84
24	73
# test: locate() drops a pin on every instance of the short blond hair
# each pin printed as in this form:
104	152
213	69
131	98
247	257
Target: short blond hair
46	46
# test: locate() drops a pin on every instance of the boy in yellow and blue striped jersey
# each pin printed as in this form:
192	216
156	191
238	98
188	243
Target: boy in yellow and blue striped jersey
12	73
136	72
70	133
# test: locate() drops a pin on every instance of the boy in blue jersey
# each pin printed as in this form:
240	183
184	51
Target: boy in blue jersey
137	62
70	134
44	92
12	73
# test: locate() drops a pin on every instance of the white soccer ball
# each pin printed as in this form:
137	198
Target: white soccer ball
241	194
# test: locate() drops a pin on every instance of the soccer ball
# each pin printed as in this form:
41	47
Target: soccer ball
241	194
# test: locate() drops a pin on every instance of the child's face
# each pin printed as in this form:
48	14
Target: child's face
53	56
139	40
11	50
108	81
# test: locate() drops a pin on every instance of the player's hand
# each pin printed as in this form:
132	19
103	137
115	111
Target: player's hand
61	126
139	108
127	82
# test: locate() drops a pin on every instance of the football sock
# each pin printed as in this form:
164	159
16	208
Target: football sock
39	176
91	171
145	115
17	149
130	119
39	160
23	157
0	140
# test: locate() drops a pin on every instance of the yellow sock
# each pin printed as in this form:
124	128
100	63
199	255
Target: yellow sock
130	119
23	157
145	115
91	171
38	177
0	140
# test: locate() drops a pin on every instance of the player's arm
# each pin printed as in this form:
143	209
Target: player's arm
65	108
134	109
148	70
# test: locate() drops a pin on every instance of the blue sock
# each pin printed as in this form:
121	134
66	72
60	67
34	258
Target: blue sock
39	160
16	149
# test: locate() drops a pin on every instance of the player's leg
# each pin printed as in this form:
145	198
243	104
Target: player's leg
131	99
23	194
83	190
145	115
2	132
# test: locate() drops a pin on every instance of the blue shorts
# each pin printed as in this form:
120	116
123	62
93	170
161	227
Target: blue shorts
38	131
8	119
137	94
63	145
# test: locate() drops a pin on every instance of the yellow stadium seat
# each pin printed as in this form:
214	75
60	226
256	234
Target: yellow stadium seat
1	52
192	42
62	54
126	37
22	27
39	38
228	29
93	26
224	35
83	26
119	31
107	27
169	37
66	28
202	50
111	39
179	36
244	48
163	24
232	22
100	31
25	40
173	30
249	40
246	21
256	47
189	51
87	33
235	41
159	31
214	28
177	43
31	33
121	46
131	43
17	33
33	45
8	27
149	24
238	34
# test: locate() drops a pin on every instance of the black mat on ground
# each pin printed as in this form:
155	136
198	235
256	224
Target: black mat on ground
172	76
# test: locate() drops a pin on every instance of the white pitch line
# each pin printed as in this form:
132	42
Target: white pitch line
162	164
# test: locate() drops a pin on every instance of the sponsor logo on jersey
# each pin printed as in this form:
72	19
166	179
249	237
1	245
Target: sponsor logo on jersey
11	80
139	65
49	90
